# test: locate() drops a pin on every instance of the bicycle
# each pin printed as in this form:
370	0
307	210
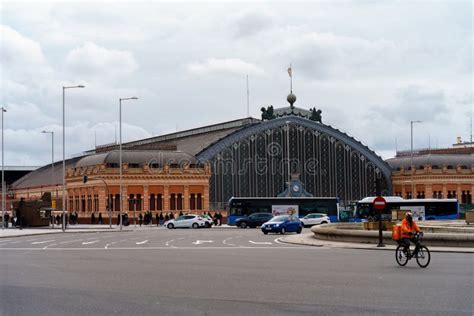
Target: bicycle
423	256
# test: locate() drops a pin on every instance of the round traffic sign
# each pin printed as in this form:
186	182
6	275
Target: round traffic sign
379	203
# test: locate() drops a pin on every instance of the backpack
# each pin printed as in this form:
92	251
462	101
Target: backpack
396	232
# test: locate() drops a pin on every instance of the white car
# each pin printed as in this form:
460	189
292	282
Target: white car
186	221
315	219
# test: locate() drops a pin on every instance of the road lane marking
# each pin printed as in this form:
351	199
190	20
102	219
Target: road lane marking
107	246
70	241
260	242
90	242
49	246
141	242
200	242
5	240
41	242
278	241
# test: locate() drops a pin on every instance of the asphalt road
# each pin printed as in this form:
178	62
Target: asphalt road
220	272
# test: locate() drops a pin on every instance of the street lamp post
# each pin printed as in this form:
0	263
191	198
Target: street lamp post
411	163
3	176
64	153
52	161
120	154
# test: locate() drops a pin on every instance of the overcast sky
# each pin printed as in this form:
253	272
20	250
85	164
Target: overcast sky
370	66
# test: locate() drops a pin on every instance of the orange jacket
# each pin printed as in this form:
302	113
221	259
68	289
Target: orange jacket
407	229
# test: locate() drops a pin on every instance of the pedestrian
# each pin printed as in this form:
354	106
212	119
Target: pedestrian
172	215
167	217
93	218
101	221
140	219
215	219
76	217
162	219
6	219
157	218
180	213
58	219
118	219
220	218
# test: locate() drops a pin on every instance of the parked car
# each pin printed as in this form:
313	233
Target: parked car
282	224
208	220
315	219
253	220
186	221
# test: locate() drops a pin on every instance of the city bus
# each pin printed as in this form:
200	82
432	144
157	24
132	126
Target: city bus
244	206
422	209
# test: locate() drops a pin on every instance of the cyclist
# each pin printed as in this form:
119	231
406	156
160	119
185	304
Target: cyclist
409	227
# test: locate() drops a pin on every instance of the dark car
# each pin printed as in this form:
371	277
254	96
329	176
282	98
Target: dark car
283	224
253	220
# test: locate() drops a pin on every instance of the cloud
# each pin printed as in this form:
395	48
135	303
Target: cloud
323	55
22	57
248	23
226	66
91	60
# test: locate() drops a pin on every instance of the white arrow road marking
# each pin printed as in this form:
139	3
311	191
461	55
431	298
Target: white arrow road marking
260	242
107	246
278	241
200	242
141	242
90	242
41	242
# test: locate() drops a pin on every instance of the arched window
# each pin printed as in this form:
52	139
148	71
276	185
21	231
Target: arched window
138	201
179	204
173	202
117	202
152	202
192	202
159	202
199	201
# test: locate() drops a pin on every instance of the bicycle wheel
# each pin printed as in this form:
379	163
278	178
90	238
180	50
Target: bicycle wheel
401	256
423	257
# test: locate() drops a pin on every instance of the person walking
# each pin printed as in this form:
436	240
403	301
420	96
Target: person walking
93	218
101	221
140	219
157	218
162	219
167	217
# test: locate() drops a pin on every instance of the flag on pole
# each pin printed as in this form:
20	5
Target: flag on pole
290	72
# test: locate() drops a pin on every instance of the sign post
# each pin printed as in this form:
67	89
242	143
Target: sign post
379	205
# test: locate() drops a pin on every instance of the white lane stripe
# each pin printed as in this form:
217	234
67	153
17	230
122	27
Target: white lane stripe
70	241
5	240
141	242
260	242
49	246
41	242
90	242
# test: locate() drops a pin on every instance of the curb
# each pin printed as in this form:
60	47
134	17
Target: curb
341	245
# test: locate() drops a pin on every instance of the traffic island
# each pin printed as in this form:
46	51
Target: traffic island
438	236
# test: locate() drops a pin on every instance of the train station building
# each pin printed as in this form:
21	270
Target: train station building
202	168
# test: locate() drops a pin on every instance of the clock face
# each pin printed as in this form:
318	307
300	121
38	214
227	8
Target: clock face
296	188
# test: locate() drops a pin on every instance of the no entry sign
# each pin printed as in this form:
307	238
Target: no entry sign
379	203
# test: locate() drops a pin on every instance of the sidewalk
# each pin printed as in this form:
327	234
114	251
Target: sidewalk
308	239
83	228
